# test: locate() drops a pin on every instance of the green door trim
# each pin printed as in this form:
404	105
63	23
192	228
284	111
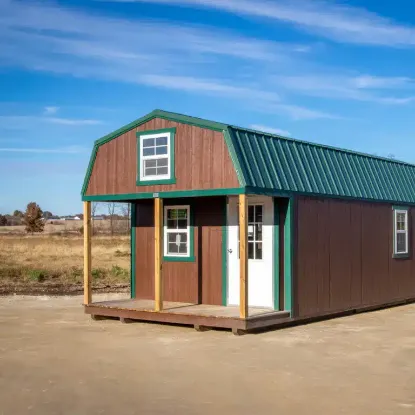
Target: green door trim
288	256
225	255
276	262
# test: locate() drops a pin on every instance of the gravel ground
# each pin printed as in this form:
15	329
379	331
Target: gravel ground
56	360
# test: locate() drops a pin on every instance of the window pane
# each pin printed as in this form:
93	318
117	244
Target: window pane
162	171
183	249
258	213
162	162
171	224
172	248
401	242
148	151
150	172
258	250
182	224
181	213
400	221
161	150
150	163
258	232
250	232
161	141
172	237
251	250
148	142
251	213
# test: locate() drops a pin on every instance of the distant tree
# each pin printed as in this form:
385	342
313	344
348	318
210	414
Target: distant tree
18	213
111	206
3	220
33	218
47	215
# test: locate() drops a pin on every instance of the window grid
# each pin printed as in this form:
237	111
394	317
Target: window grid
255	224
176	231
155	155
401	232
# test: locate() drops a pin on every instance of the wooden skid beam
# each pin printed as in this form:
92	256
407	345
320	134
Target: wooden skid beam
158	237
87	253
243	255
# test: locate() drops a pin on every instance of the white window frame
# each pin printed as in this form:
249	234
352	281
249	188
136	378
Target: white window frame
186	231
143	177
396	231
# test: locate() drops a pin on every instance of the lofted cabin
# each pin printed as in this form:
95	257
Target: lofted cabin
243	229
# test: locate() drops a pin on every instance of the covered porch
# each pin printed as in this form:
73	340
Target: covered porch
239	318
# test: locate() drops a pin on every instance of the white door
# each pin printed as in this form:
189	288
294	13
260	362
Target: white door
260	251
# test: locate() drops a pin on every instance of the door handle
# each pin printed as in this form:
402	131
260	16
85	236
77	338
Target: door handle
230	250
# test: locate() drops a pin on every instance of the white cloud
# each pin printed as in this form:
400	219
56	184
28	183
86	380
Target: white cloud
50	110
45	37
328	19
64	150
359	88
271	130
69	121
18	122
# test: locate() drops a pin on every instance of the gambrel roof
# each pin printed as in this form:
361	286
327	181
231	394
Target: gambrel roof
276	164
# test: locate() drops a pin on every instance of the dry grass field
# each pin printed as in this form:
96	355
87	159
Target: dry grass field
53	262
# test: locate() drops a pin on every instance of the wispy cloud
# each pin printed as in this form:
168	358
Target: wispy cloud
24	121
50	110
329	19
45	37
63	150
69	121
359	88
271	130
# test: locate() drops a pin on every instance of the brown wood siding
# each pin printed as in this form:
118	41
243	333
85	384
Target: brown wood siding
344	258
202	161
191	282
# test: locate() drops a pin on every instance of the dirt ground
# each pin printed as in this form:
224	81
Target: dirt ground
55	360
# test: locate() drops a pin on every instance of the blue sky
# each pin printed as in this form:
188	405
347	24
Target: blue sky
337	73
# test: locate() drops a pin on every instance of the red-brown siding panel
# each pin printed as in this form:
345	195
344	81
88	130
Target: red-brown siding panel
193	282
202	161
344	257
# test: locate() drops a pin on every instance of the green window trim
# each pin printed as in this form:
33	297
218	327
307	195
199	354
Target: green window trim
395	254
191	255
172	176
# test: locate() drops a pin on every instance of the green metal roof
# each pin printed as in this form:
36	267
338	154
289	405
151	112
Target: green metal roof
273	162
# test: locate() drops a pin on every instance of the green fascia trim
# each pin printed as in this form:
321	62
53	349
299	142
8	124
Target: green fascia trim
191	257
288	256
171	116
164	195
234	157
133	247
276	262
396	255
225	256
288	193
89	169
172	179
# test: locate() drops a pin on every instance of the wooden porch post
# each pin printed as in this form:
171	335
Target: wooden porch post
243	256
158	238
87	253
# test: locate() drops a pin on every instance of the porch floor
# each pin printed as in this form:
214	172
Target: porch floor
187	313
